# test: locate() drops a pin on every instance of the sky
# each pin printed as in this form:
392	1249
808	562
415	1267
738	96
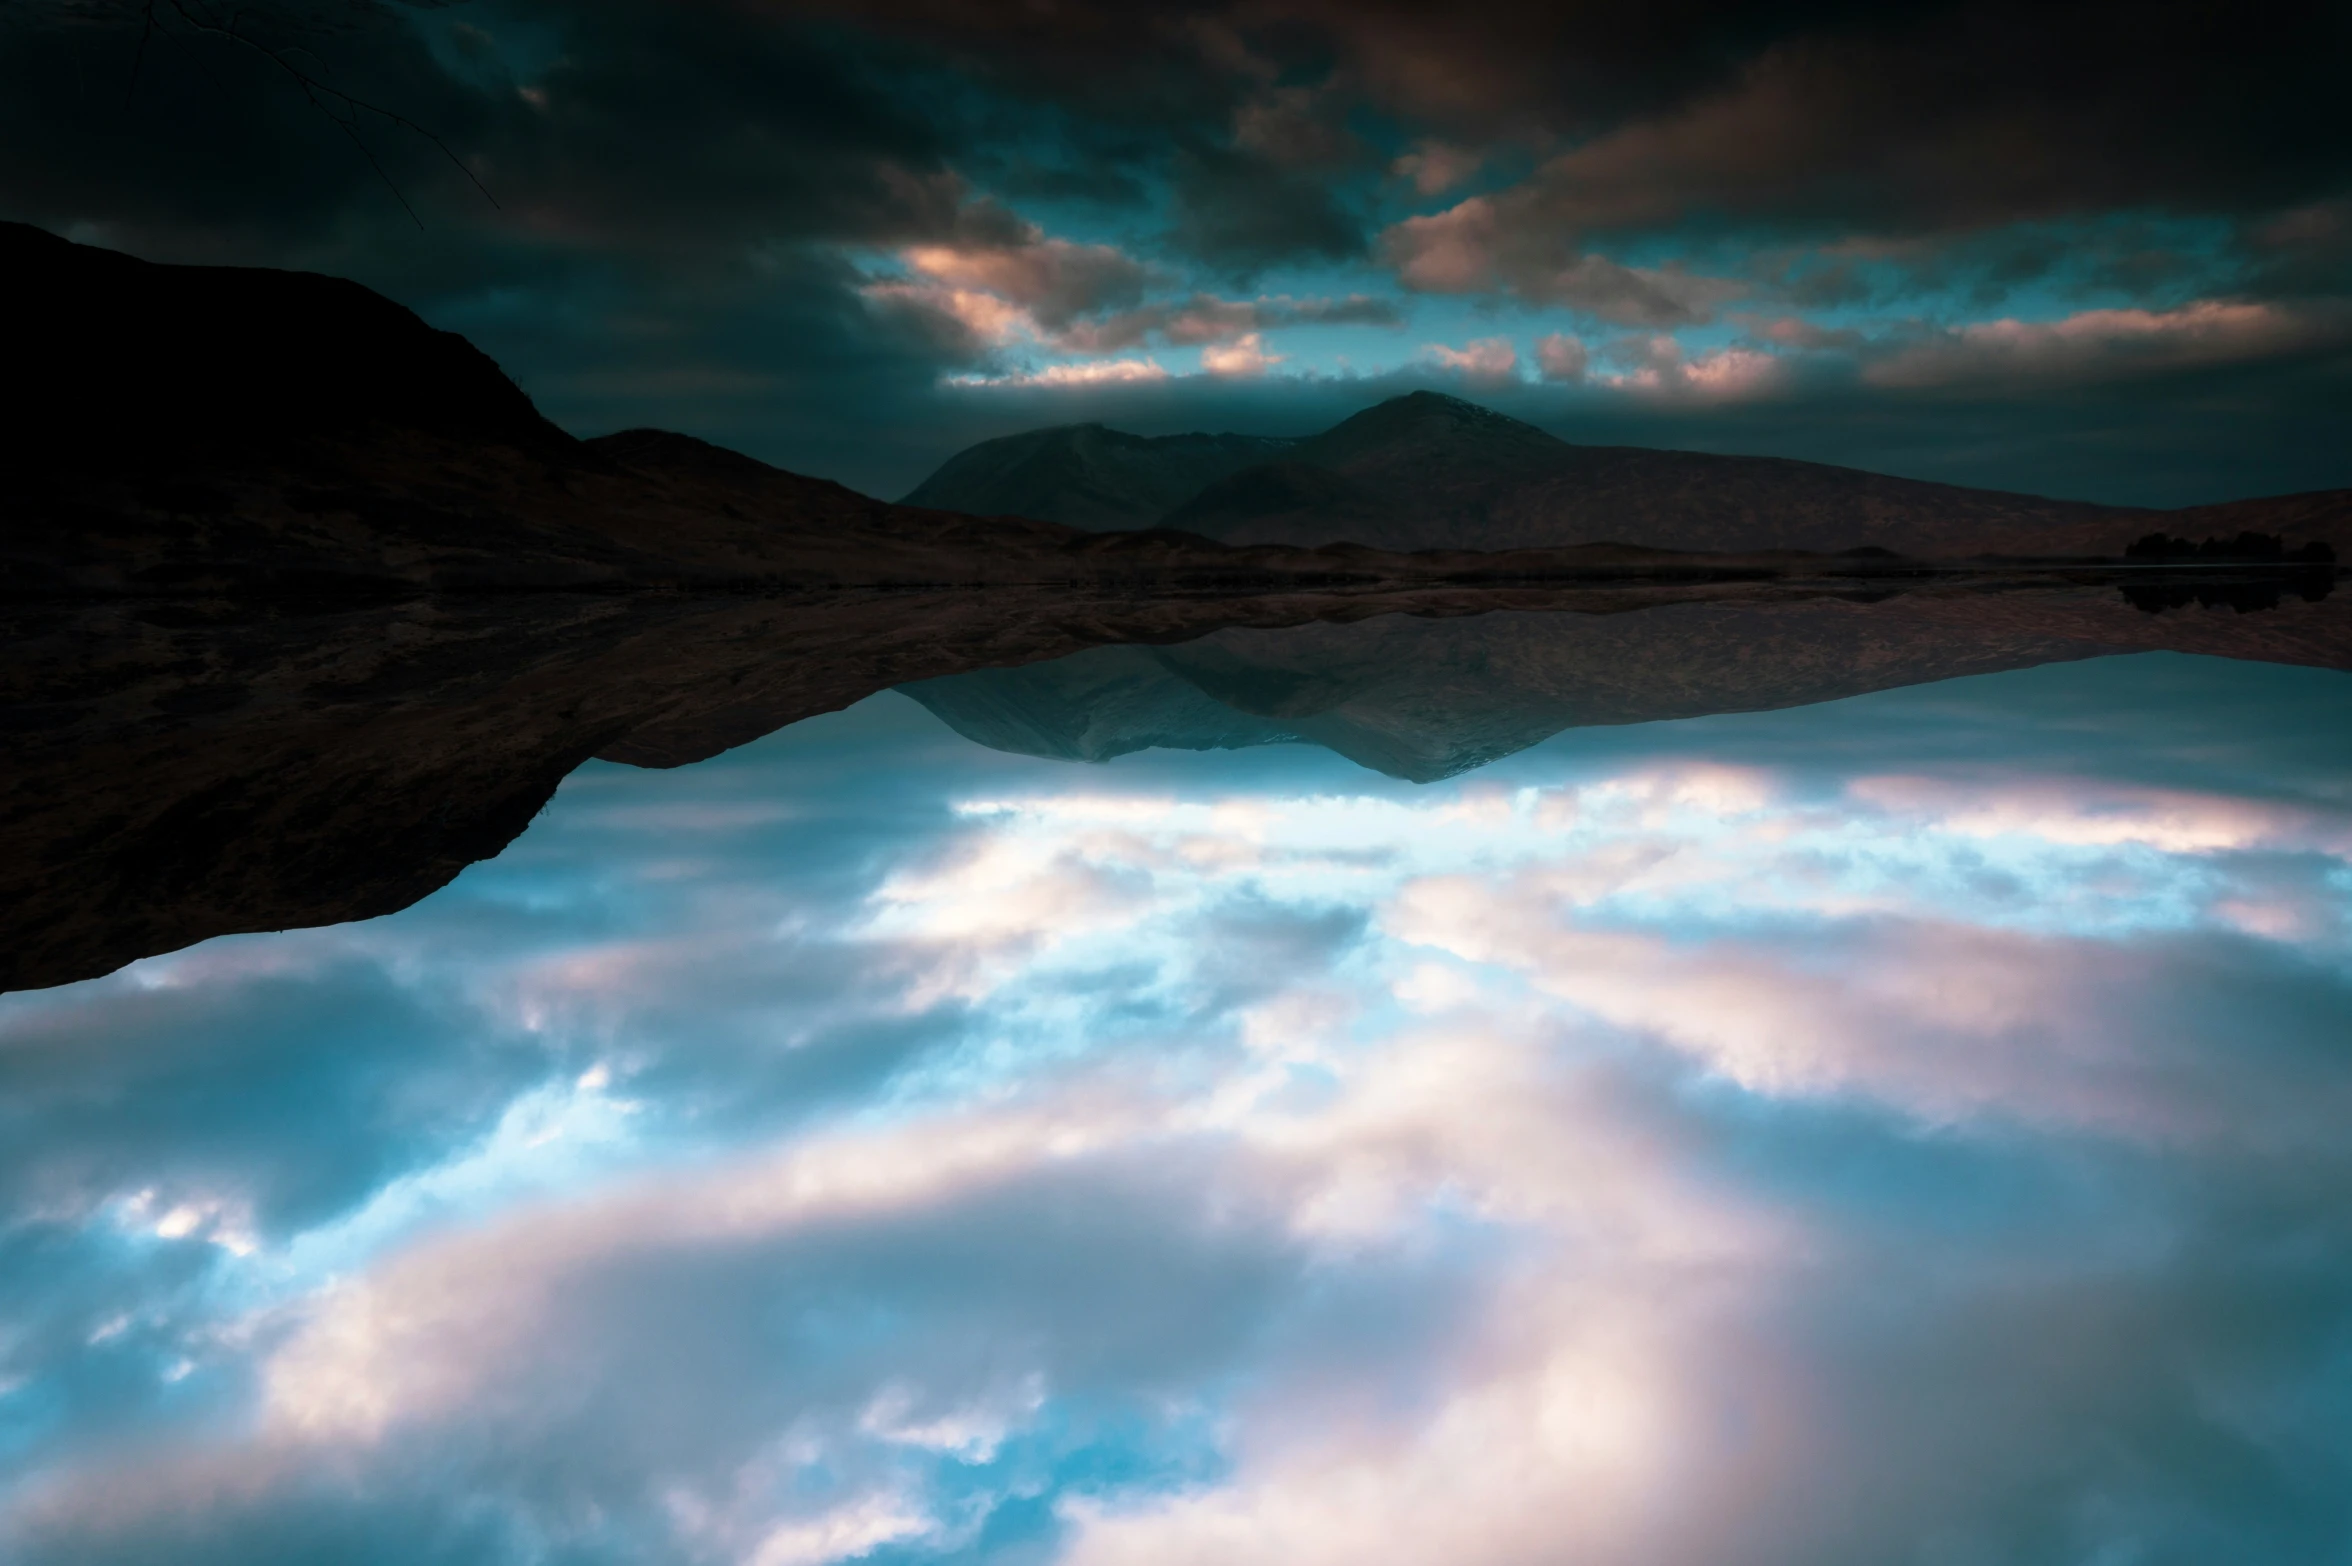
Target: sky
1907	1129
2098	250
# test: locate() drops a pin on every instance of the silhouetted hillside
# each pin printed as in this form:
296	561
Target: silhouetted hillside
1428	471
1084	475
125	359
204	430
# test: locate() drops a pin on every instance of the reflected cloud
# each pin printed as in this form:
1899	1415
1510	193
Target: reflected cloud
1904	1125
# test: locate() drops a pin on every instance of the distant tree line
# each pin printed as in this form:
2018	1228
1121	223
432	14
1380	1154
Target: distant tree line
2244	597
2248	548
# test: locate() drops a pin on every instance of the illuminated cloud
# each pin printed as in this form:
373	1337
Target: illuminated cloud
1560	357
1657	367
1488	359
1206	318
2096	345
1245	355
1089	372
1053	280
1084	300
1473	248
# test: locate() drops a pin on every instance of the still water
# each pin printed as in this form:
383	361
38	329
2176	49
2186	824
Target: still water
1904	1129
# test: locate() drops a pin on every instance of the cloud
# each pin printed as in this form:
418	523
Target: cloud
1475	247
1482	359
1657	367
1089	372
1886	127
1794	331
1245	356
978	302
973	299
1207	318
1434	168
1240	213
1649	1146
1560	357
1296	127
1052	280
2092	345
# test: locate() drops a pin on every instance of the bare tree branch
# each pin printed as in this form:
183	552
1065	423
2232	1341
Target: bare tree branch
146	32
344	109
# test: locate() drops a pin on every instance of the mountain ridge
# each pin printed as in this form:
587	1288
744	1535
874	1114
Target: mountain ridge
1094	477
1431	471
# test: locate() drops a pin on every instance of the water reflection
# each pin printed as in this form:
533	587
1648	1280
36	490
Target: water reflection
1907	1128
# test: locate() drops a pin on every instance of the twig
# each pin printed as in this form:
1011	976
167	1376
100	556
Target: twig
321	95
146	32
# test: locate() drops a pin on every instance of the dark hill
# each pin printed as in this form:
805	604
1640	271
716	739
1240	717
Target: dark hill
123	358
1428	471
1416	472
205	430
1088	476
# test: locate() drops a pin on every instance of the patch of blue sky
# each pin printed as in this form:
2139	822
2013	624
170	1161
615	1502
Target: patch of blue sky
554	1139
1008	1504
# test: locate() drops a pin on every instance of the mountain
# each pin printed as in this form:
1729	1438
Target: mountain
1428	471
226	430
1424	699
1088	476
1416	472
204	430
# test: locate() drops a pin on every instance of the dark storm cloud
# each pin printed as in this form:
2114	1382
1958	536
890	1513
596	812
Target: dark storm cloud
1927	117
634	126
699	199
1948	120
1240	213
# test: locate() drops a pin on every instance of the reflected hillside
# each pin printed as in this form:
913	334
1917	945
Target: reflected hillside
184	769
1424	699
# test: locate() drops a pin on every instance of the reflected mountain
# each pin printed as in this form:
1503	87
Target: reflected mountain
184	769
178	769
1424	699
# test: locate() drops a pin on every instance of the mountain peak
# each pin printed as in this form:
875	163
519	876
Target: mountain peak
1088	475
1428	420
1428	436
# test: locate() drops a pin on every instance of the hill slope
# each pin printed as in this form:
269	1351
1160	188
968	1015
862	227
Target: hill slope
1085	475
1428	471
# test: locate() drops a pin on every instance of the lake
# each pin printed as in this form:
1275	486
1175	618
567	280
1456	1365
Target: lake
1908	1127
